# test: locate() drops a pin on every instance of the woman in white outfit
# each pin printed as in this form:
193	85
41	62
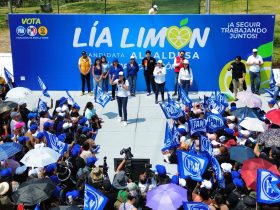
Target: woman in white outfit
159	74
185	77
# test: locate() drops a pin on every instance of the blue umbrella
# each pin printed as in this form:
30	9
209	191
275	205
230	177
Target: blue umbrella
241	153
9	149
245	112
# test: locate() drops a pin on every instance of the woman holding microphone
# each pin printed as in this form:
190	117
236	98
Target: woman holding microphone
122	96
159	74
185	78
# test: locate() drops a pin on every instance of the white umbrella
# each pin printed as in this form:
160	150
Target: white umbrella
40	157
249	99
18	93
253	124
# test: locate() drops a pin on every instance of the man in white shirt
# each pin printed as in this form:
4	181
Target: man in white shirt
153	10
254	62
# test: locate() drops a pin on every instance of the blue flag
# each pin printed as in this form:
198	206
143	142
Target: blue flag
54	143
217	168
197	125
93	199
191	165
43	87
184	96
272	80
214	104
37	207
171	109
101	97
192	148
267	189
195	206
214	121
8	77
42	106
70	97
205	145
168	138
270	92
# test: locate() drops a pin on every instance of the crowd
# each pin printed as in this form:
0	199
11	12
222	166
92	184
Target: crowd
76	130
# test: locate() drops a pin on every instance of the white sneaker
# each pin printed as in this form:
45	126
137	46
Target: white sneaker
124	123
120	119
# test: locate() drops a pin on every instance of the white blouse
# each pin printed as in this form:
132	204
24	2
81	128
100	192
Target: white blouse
185	74
159	74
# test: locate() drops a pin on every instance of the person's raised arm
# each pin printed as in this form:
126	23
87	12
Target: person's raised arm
121	166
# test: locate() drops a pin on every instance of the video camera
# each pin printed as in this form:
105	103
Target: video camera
128	163
127	152
149	173
105	168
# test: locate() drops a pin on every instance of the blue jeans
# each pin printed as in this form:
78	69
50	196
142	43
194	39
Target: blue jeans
105	84
255	76
97	83
276	92
176	82
185	84
122	107
132	83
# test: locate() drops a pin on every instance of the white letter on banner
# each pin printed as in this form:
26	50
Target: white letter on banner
196	36
153	38
140	36
124	37
104	38
76	38
92	34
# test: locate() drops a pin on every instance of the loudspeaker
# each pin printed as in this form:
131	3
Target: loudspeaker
137	167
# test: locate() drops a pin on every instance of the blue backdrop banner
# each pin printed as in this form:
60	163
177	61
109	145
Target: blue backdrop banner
50	45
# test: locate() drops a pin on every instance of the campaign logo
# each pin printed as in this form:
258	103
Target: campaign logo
31	30
20	30
43	30
192	164
268	189
214	121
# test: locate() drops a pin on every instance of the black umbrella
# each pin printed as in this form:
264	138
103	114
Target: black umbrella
66	208
7	106
34	191
245	112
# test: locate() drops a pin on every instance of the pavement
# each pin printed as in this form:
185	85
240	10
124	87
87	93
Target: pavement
144	132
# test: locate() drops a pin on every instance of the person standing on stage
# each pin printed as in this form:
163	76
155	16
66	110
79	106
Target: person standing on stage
149	64
105	75
185	77
159	74
97	73
178	64
132	70
84	65
114	71
122	96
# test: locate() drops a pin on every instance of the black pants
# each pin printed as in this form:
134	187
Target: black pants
114	91
150	81
122	106
160	88
85	78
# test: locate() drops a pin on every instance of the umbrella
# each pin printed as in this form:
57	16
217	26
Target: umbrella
270	138
9	149
34	191
274	116
18	92
245	112
66	208
250	167
249	99
253	124
167	196
7	106
241	153
40	157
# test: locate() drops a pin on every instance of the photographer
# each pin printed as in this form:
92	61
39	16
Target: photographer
122	97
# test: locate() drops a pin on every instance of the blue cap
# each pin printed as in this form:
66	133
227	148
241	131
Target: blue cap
175	179
33	127
91	161
181	129
235	174
47	125
62	137
86	129
233	108
229	131
238	182
54	179
75	194
62	100
75	150
6	172
82	121
272	102
76	106
23	139
31	115
40	135
50	168
115	60
161	170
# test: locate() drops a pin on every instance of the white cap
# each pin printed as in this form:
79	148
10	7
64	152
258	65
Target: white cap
67	125
216	151
65	108
231	118
121	73
182	182
185	61
222	139
58	109
226	167
132	57
155	6
62	114
207	184
159	61
255	50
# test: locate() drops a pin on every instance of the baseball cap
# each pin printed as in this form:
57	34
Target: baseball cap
254	50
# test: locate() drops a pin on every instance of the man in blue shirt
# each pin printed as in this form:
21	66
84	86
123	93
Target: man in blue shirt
114	70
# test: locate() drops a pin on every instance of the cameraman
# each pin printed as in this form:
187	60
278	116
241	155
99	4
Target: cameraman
122	97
